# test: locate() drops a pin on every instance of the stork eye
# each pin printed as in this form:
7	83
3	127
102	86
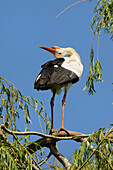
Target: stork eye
59	53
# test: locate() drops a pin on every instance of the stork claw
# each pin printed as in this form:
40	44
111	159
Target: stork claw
52	131
63	129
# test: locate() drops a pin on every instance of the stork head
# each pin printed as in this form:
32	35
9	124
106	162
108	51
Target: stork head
59	52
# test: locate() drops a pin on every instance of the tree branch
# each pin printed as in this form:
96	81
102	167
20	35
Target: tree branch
62	135
64	161
49	141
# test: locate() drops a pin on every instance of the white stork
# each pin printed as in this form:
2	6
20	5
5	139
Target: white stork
61	72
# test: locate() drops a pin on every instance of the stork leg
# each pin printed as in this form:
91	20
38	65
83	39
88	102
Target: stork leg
63	106
52	104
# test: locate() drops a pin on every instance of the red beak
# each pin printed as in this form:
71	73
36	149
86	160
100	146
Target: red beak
51	50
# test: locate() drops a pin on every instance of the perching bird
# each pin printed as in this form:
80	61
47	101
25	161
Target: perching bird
61	72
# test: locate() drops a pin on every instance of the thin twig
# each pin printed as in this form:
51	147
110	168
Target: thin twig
7	81
33	107
98	25
1	117
69	7
98	44
13	101
40	124
44	160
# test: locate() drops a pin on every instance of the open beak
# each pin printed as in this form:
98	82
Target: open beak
51	50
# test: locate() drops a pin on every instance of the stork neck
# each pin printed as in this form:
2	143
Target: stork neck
75	57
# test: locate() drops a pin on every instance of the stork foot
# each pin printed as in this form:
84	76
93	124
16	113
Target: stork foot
63	129
52	131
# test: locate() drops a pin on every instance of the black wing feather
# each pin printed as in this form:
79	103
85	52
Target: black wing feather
52	73
57	61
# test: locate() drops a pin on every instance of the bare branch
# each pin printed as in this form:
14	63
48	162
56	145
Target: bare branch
34	167
62	135
40	143
64	161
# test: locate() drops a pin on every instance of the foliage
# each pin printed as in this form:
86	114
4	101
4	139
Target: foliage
96	152
103	19
14	105
94	73
13	102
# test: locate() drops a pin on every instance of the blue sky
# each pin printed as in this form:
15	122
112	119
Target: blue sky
26	25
